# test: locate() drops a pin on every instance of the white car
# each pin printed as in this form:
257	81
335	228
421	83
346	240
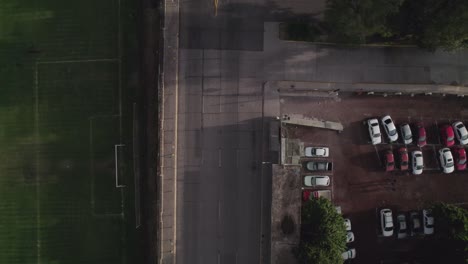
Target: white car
322	152
428	221
386	222
390	128
374	131
314	181
460	132
349	237
349	254
446	160
417	162
406	134
347	222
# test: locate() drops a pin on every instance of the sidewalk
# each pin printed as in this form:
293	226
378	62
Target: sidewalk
408	89
168	130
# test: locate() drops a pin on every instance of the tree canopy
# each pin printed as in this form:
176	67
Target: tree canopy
451	228
323	233
432	24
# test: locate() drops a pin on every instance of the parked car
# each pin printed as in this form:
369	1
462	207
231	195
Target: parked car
446	160
347	223
461	158
417	160
315	181
319	166
389	161
415	223
428	221
386	222
403	158
421	135
349	237
374	131
322	152
460	132
448	138
406	134
349	254
390	128
402	229
310	195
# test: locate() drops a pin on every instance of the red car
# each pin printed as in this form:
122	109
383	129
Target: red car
448	137
389	161
403	154
421	135
461	158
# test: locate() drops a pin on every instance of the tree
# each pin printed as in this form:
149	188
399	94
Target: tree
451	228
352	21
323	233
435	24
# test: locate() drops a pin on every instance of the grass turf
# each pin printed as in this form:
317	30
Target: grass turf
63	107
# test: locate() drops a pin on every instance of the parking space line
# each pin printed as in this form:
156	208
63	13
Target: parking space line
378	156
437	131
435	155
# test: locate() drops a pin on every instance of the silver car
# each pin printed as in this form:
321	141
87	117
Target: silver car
428	222
390	128
417	162
446	160
406	134
460	132
349	254
314	181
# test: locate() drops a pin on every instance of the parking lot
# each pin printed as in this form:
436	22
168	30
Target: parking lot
359	182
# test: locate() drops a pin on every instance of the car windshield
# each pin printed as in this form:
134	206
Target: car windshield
377	135
388	121
462	161
450	139
408	137
464	137
404	163
392	132
419	167
390	164
422	139
388	228
450	164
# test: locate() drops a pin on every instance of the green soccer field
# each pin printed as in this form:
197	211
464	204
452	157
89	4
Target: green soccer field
67	192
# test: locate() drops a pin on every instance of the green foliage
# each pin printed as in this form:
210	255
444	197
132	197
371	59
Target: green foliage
301	31
452	221
451	226
323	233
352	21
437	23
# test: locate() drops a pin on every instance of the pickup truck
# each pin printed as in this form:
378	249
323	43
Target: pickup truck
319	166
309	195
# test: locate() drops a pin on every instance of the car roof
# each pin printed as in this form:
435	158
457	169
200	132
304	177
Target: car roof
449	131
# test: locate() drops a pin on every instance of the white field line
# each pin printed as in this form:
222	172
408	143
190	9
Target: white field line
38	182
136	171
78	61
116	156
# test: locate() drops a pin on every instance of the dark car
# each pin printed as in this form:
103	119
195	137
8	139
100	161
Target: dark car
403	156
461	158
421	135
389	161
415	222
448	137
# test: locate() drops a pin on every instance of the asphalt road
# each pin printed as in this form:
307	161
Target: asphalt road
224	60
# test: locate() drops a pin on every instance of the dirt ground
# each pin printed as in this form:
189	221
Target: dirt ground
359	184
285	203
